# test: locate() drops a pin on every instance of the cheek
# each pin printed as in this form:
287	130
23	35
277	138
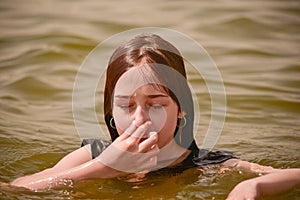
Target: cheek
168	130
170	124
122	120
167	133
158	118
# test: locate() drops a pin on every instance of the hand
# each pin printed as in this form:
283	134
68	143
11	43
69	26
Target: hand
2	185
19	182
246	190
133	151
32	182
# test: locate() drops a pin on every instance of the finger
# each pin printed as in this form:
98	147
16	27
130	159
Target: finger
149	143
2	184
140	131
128	132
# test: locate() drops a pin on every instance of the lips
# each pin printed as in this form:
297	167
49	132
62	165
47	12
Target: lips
146	136
143	139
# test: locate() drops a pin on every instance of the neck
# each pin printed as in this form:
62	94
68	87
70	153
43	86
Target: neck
172	154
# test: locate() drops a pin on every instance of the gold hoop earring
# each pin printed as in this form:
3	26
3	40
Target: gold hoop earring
111	123
184	123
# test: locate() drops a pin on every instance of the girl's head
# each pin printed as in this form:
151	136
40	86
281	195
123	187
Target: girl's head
146	81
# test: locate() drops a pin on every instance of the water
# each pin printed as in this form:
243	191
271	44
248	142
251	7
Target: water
255	44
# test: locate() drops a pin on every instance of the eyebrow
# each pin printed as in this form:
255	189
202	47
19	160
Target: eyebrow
152	96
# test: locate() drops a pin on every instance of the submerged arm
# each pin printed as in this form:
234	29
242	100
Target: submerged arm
273	181
248	166
125	155
75	166
270	184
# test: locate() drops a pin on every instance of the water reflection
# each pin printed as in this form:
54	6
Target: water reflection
255	44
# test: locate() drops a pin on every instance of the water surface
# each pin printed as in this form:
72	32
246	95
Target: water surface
255	45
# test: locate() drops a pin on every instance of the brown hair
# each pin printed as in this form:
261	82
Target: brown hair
154	52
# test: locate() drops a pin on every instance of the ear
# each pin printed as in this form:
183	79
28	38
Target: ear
181	114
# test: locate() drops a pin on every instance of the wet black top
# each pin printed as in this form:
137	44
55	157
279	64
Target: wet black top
198	157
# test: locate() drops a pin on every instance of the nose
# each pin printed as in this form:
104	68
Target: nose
140	115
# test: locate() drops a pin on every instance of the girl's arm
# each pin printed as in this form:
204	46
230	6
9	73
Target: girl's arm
248	166
73	159
125	155
54	178
75	166
270	184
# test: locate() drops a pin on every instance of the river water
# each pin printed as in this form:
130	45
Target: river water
255	45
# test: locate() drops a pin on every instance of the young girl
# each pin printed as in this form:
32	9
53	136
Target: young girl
149	113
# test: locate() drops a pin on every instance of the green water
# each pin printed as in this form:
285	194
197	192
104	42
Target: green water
255	45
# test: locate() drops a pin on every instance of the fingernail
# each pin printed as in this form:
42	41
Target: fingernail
152	133
146	124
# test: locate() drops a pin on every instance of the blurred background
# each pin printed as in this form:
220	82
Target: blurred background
255	45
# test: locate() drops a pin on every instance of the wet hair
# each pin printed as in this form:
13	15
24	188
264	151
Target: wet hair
165	61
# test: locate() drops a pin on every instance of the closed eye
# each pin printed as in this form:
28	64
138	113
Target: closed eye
156	106
125	106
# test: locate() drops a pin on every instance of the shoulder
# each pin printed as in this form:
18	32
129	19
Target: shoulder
97	145
205	156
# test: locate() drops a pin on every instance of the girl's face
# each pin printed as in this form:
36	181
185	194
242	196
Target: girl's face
140	100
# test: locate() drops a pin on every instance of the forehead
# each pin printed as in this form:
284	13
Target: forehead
135	78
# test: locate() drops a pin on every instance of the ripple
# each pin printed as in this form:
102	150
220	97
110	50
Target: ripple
42	44
33	86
